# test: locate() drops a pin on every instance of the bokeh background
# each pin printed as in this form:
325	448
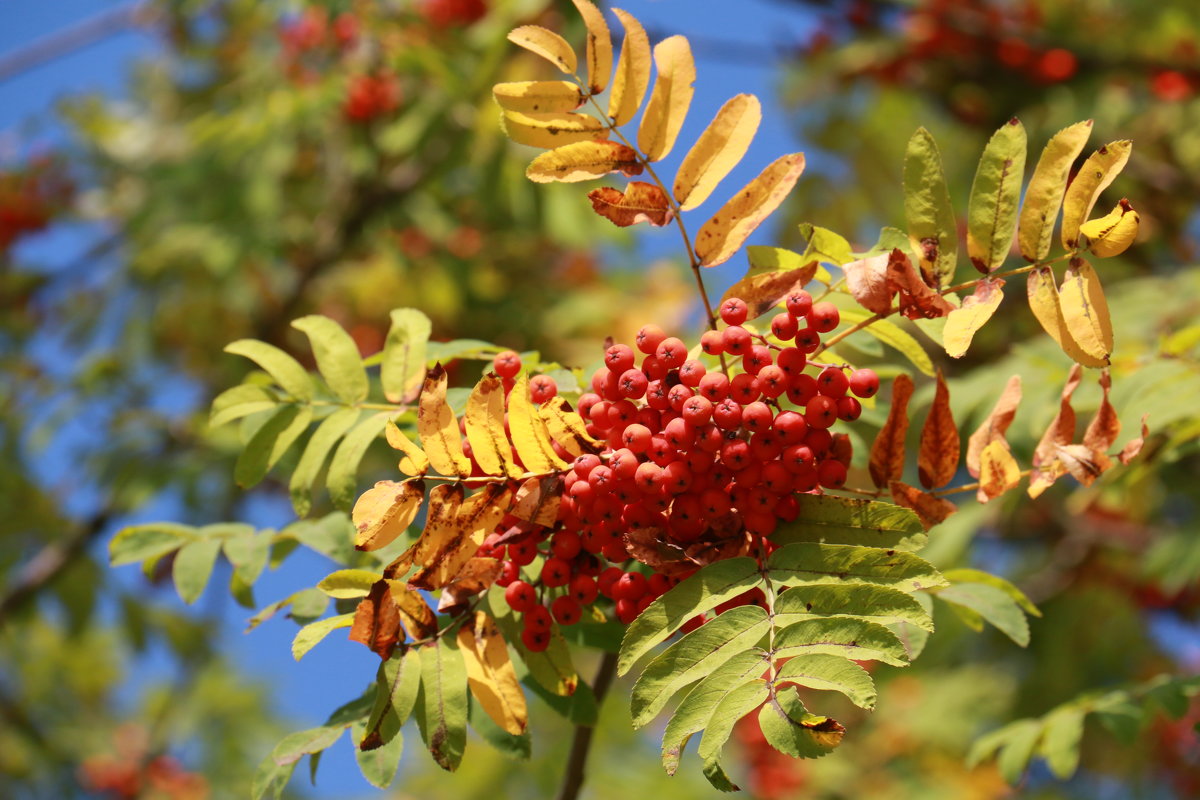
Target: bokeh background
178	174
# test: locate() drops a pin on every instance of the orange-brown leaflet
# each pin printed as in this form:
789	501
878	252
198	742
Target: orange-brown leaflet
1130	451
930	508
648	545
1046	467
377	621
453	544
995	425
868	282
764	291
917	300
1084	464
1104	428
937	460
478	574
998	471
538	499
887	452
640	202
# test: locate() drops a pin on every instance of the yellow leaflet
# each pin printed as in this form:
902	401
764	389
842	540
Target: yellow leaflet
444	500
633	71
534	97
384	512
415	462
721	236
583	161
1044	196
485	428
459	536
548	131
1093	178
962	323
438	428
529	434
1112	234
537	500
490	674
599	46
670	98
567	428
998	471
547	44
718	150
1085	311
1047	307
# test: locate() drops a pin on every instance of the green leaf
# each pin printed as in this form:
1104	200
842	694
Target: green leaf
967	575
825	246
332	535
705	590
343	470
287	372
193	566
1018	749
399	679
442	702
152	540
913	638
402	370
806	563
893	336
316	452
240	401
694	656
831	673
932	230
270	442
337	357
378	764
993	605
737	704
248	552
295	746
270	777
1061	736
698	705
476	349
996	197
518	748
882	605
311	634
842	520
789	728
772	259
578	708
308	604
347	583
841	636
1044	195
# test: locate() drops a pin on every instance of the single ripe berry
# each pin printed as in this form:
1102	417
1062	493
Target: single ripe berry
832	474
507	364
799	303
671	352
864	382
520	596
734	311
566	545
832	382
584	589
648	338
632	384
630	586
566	610
737	340
542	388
824	317
535	641
691	372
712	342
821	412
607	580
848	408
538	618
619	358
784	327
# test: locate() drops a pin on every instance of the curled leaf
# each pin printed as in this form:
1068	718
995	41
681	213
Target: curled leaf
962	323
1046	305
1085	311
1046	467
887	452
548	131
385	511
932	230
717	151
917	300
584	161
415	462
567	428
438	427
995	197
599	47
728	229
1044	195
937	460
998	471
867	280
1105	427
443	555
547	44
640	202
1130	451
633	71
418	618
537	500
1100	169
670	98
929	508
377	621
996	424
1083	463
1112	234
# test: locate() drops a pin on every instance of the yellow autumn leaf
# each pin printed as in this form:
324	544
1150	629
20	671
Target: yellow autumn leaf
438	428
1046	305
1085	311
537	500
547	44
670	98
721	236
1093	177
599	46
538	97
567	428
485	428
490	674
446	550
718	150
1112	234
548	131
415	462
633	71
528	431
384	512
962	323
1044	195
584	161
442	508
998	471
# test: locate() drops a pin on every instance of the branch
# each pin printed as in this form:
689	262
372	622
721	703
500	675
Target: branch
49	562
582	740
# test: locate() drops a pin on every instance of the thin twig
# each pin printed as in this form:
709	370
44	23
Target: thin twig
582	740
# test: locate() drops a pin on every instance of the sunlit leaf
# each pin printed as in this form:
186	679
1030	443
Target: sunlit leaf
139	542
1112	234
529	434
993	605
1046	304
717	151
1085	311
438	427
831	673
311	634
640	202
548	131
441	553
402	368
442	703
485	428
932	230
538	97
632	77
315	454
844	520
998	470
728	229
415	462
917	300
584	161
995	425
269	443
669	99
789	728
882	605
287	372
763	291
1044	195
599	56
376	622
567	428
343	469
337	357
887	452
490	674
845	637
811	564
1100	169
547	44
867	280
735	705
931	509
977	308
937	460
192	567
995	197
893	336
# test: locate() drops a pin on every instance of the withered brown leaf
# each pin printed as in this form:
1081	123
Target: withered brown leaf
377	621
887	452
917	300
929	508
937	460
996	424
640	202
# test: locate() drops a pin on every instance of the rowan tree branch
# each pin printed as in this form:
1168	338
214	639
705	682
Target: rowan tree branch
582	740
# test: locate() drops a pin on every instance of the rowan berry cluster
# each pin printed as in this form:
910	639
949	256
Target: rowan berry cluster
698	461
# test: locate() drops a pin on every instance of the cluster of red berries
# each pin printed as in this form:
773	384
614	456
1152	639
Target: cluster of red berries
29	198
453	13
313	31
691	458
371	95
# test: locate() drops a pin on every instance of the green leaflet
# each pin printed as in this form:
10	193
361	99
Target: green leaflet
706	589
378	765
913	638
140	542
1018	749
879	604
193	566
842	520
270	777
240	401
765	259
988	603
287	372
737	704
806	563
402	369
790	729
831	673
316	452
519	748
932	230
967	575
248	552
894	336
270	442
331	535
442	702
311	634
343	469
347	583
841	636
995	197
697	706
578	708
397	682
824	245
294	746
337	357
1061	736
693	657
1044	195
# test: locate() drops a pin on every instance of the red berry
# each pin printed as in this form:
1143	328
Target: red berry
535	641
832	474
784	326
671	352
626	611
757	416
636	438
507	364
607	580
864	382
649	338
520	596
509	572
712	342
566	610
632	383
848	409
832	382
619	358
821	412
737	340
734	311
542	388
566	545
691	372
538	618
824	317
714	386
630	586
799	303
584	589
